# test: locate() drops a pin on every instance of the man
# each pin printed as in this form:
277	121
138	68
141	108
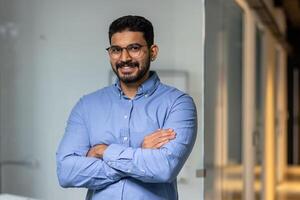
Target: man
129	140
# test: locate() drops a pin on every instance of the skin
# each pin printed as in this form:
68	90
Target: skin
130	80
123	39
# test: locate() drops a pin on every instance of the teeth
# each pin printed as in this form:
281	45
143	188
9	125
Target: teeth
127	67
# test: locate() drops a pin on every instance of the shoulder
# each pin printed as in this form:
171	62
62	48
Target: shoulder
173	94
98	97
181	106
105	92
174	99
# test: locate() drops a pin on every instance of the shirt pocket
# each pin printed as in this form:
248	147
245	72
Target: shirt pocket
140	129
103	137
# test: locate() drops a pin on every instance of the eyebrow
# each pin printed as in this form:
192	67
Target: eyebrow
127	45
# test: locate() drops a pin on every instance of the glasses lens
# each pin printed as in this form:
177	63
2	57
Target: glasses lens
115	50
133	50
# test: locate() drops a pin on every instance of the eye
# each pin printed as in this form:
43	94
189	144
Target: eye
134	47
115	49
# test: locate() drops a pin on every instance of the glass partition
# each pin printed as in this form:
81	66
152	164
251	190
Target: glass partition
259	105
223	101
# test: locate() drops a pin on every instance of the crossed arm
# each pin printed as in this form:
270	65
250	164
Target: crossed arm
159	159
153	141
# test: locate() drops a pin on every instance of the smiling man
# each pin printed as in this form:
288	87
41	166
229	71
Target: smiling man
129	140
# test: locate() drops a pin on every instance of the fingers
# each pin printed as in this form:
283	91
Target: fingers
158	138
163	140
158	145
164	136
97	151
161	133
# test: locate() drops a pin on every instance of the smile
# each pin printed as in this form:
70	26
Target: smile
127	69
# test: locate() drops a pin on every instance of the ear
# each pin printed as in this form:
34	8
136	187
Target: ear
153	52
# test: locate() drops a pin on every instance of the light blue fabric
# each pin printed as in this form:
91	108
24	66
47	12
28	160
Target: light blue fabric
127	171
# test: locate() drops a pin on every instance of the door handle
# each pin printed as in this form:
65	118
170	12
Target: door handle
201	173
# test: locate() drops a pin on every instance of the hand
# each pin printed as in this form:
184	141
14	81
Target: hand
97	151
158	138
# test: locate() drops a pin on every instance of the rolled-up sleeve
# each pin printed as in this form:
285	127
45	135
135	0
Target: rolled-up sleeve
74	169
164	164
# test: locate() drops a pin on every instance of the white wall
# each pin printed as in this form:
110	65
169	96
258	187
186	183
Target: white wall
52	52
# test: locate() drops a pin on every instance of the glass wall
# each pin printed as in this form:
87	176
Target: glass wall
259	105
223	100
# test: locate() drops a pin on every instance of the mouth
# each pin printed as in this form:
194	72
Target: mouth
127	64
127	69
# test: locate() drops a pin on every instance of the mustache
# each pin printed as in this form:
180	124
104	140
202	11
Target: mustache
127	63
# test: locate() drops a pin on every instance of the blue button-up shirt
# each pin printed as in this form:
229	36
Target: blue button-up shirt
127	171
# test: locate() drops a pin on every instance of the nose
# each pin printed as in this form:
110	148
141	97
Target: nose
125	55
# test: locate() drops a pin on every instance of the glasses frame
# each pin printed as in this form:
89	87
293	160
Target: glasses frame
127	49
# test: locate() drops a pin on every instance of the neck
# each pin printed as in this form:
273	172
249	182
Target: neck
130	89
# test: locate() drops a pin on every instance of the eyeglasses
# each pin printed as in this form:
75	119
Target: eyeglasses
134	50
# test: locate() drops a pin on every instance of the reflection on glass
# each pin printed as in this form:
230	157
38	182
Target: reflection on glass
232	172
223	101
259	90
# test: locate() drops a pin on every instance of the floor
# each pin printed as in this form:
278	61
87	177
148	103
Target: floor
232	187
290	188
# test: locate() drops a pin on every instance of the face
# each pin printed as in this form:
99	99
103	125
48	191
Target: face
132	67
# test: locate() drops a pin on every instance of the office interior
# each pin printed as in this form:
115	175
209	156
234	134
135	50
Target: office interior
238	59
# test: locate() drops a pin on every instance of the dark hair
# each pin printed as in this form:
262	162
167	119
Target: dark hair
135	24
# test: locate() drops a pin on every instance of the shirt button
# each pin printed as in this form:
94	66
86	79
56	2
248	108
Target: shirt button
125	116
146	95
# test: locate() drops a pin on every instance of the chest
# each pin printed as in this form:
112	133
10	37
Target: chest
125	122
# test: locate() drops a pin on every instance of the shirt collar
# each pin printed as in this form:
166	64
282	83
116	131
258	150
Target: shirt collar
146	88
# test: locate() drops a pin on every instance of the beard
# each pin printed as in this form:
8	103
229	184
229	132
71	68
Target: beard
132	78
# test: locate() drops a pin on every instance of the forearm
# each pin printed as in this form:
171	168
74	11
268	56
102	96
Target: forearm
163	164
74	169
80	171
153	141
149	165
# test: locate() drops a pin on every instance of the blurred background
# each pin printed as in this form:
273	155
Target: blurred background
238	59
251	95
